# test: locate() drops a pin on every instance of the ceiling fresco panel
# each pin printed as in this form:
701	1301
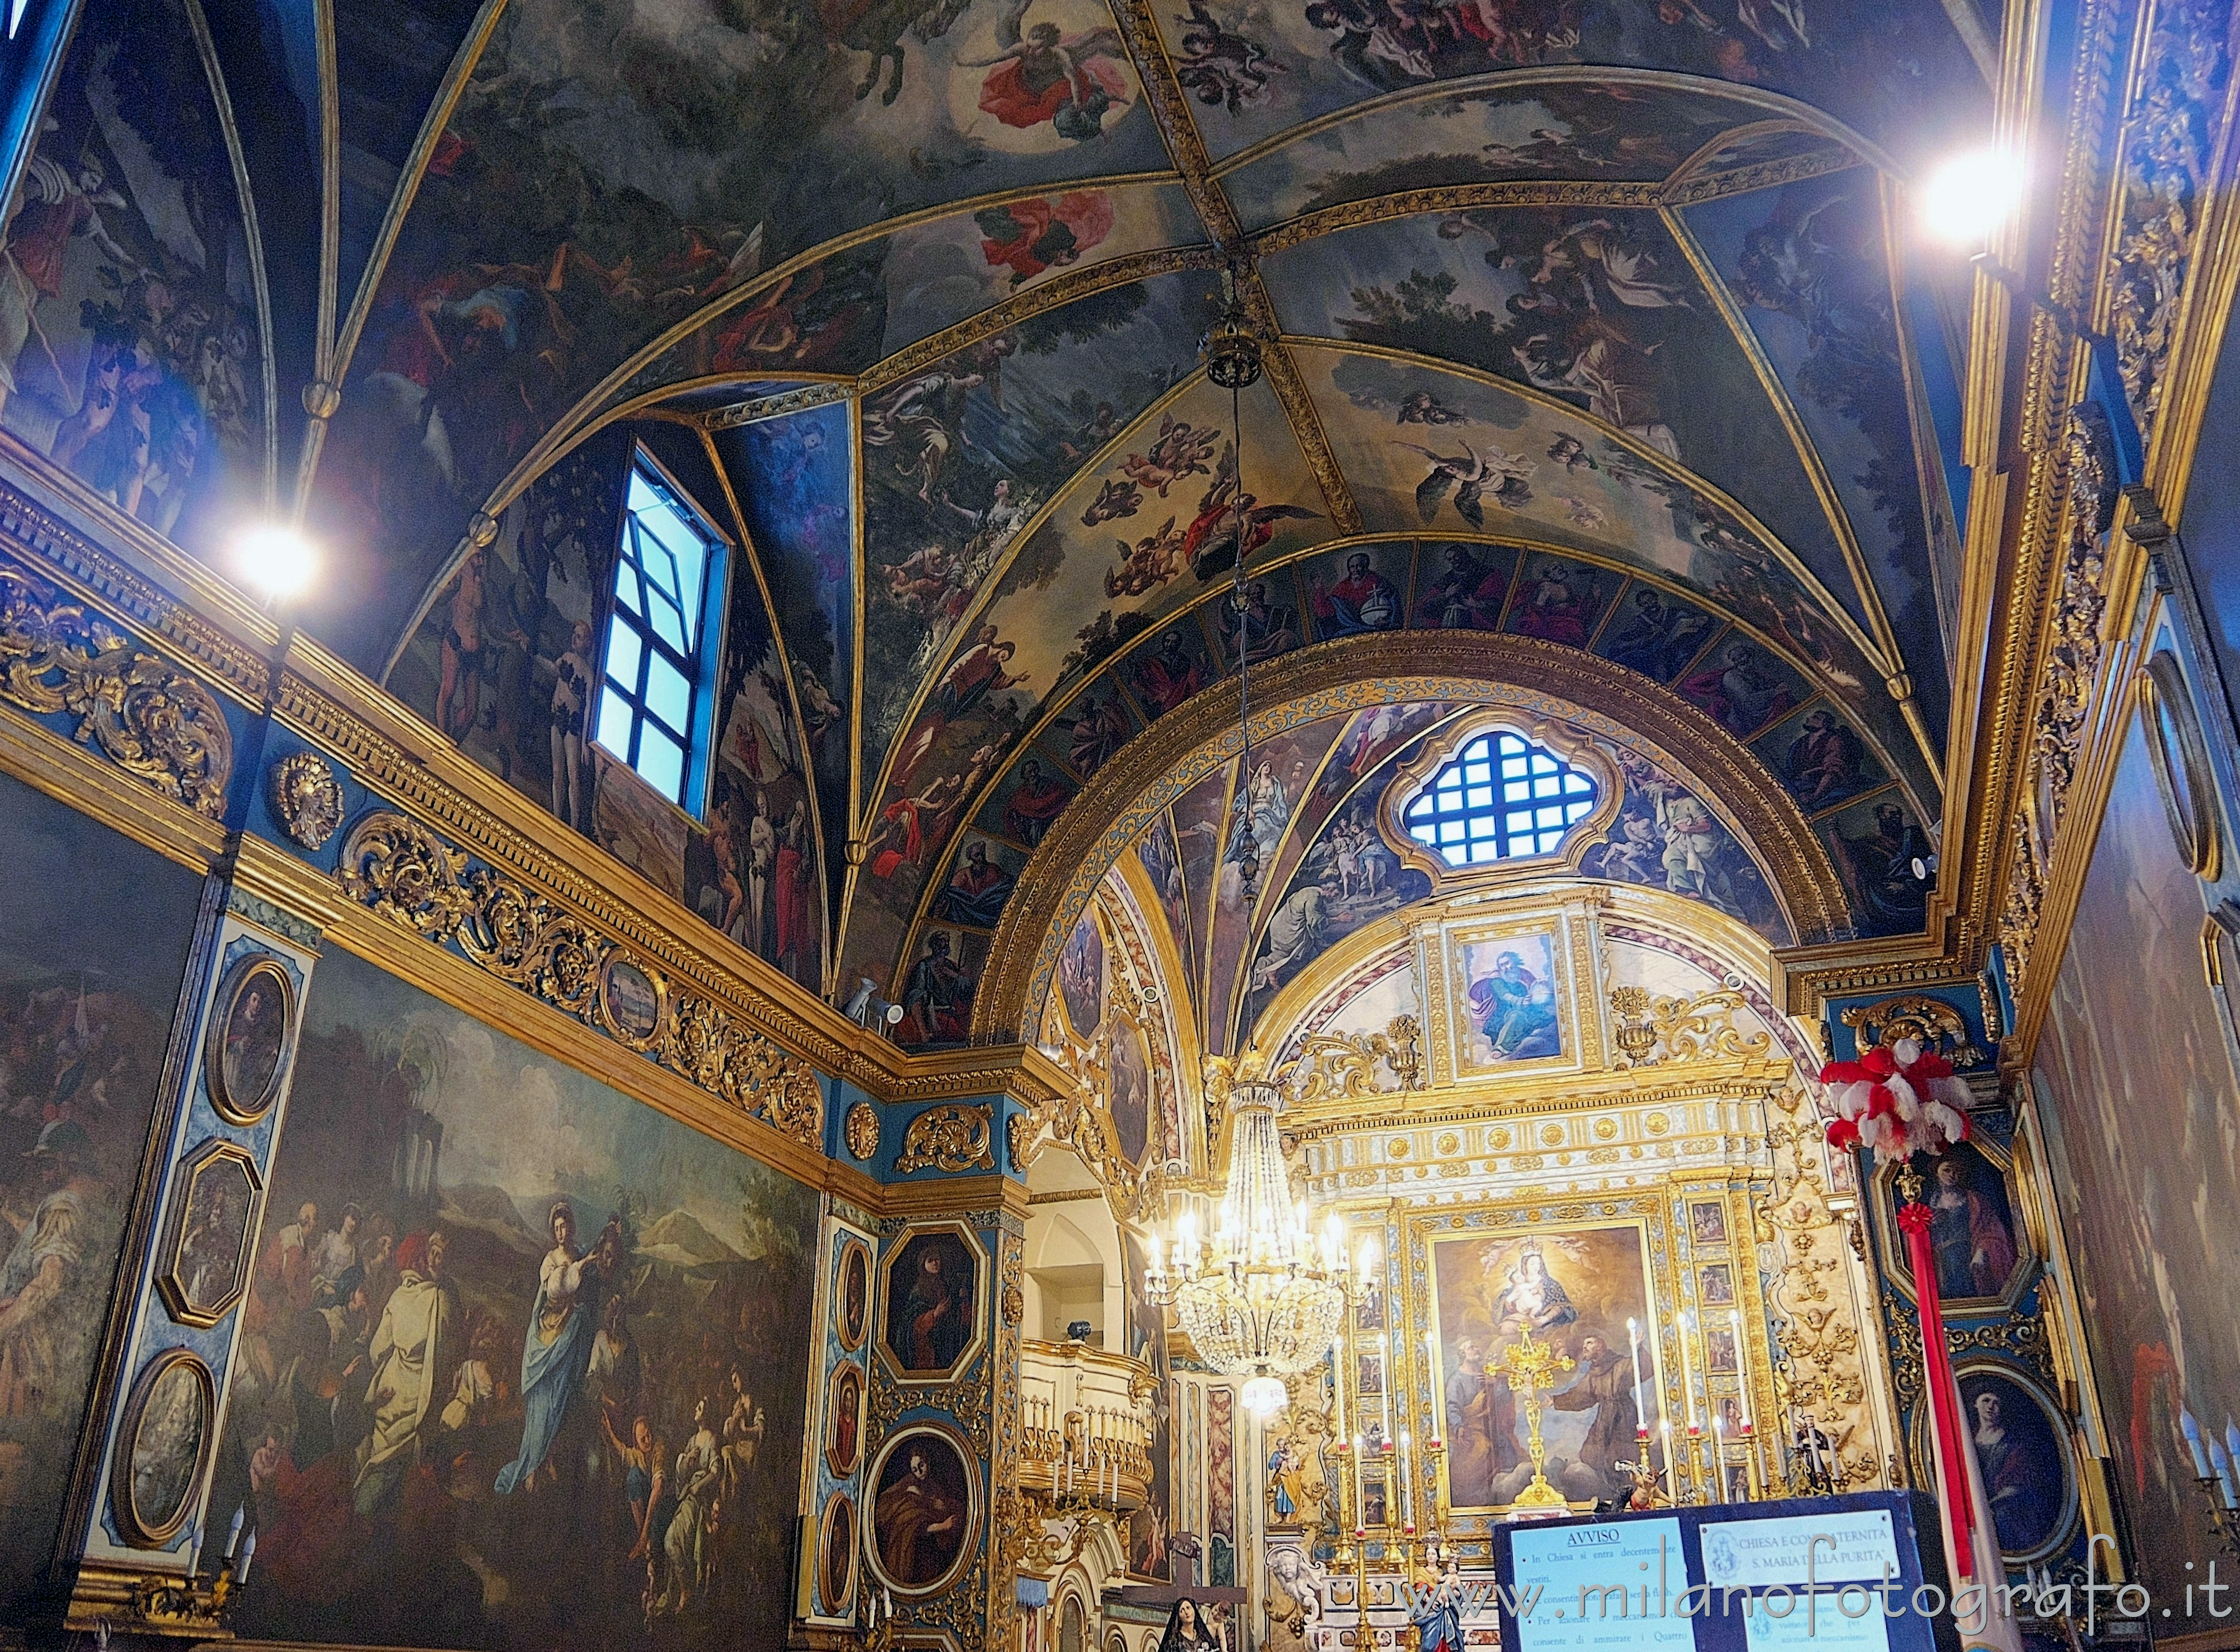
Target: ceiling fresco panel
132	349
390	62
607	172
792	476
1889	71
1807	266
959	460
1608	131
1597	307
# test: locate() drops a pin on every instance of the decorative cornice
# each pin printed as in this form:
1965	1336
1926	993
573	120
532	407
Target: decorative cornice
733	414
1332	677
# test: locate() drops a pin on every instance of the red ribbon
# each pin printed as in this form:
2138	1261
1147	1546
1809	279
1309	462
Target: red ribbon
1937	1363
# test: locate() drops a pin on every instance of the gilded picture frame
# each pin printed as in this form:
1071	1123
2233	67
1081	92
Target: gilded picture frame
250	1039
936	1343
839	1555
2177	752
162	1449
935	1440
2043	1425
851	1293
209	1235
1978	1154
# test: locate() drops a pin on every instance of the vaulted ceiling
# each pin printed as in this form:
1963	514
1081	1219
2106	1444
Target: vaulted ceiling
1597	322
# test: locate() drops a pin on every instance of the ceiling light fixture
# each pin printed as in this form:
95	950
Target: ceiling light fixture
276	561
1264	1299
1967	199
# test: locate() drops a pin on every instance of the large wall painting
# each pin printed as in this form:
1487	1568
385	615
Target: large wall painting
93	944
2136	1078
1514	999
130	345
1150	1527
1573	1291
526	1368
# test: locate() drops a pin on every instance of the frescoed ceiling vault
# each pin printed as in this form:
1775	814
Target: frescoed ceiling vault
1591	323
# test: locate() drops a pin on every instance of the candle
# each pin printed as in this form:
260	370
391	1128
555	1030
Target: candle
2232	1450
1431	1380
233	1532
2192	1432
1407	1486
1640	1411
1687	1377
248	1554
1672	1479
1385	1400
1337	1387
1719	1455
1742	1374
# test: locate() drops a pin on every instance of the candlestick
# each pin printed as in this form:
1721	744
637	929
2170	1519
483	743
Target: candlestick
1337	1387
1687	1377
1742	1365
2222	1465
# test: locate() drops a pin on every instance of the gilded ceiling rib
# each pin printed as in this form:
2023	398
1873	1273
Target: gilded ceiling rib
1898	680
754	558
1807	581
1776	105
1763	175
1329	679
206	49
1050	713
330	192
985	597
797	400
1051	295
1171	111
392	219
1299	406
1453	197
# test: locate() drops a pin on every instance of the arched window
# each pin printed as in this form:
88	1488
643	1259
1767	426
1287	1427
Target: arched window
1501	797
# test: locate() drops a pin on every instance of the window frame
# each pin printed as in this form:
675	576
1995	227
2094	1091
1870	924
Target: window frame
701	670
1449	748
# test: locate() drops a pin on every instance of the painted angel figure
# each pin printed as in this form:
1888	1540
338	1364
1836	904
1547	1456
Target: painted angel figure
1043	74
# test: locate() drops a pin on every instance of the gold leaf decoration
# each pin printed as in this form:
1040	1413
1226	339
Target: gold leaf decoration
955	1136
398	868
150	719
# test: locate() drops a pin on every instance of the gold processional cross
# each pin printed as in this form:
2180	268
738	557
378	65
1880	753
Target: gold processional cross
1531	1364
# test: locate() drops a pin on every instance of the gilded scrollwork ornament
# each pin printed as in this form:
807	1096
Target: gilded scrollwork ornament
306	798
956	1136
150	719
861	1129
1332	1066
398	868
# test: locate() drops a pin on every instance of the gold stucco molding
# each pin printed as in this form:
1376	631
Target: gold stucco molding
1330	678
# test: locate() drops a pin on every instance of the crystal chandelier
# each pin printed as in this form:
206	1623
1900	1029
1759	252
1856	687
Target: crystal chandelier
1264	1300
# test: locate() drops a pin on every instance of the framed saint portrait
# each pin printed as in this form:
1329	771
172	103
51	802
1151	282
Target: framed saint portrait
1714	1285
2021	1445
835	1555
1980	1244
925	1510
1511	1001
853	1314
632	1002
162	1448
253	1024
1571	1290
207	1235
1719	1349
1707	1223
933	1293
843	1421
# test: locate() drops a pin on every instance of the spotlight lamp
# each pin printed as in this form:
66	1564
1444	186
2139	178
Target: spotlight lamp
276	561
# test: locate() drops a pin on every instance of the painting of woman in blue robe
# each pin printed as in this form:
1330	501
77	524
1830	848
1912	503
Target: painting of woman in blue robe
556	1352
1513	1005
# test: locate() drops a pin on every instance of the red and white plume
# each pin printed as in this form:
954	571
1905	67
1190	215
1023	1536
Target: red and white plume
1898	1099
